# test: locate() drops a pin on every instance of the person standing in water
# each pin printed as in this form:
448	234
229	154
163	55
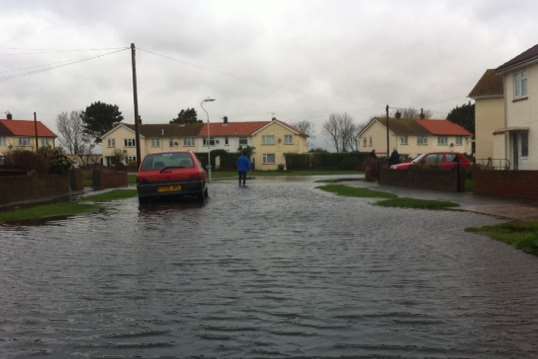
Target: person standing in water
243	166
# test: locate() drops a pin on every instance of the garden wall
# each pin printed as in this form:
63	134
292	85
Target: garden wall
506	184
109	178
32	188
424	178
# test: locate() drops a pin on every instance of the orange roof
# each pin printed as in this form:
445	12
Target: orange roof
443	128
232	129
25	128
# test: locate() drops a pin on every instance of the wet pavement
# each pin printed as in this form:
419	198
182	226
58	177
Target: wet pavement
278	269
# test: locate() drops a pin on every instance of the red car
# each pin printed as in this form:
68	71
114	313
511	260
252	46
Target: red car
443	160
171	174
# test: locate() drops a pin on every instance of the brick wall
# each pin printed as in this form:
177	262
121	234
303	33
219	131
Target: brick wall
24	188
424	178
506	184
108	178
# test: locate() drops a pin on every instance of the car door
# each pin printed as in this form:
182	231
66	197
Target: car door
449	161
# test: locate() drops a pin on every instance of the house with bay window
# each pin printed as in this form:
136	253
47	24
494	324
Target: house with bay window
413	137
270	140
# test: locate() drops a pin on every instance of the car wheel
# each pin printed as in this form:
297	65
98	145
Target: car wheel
143	201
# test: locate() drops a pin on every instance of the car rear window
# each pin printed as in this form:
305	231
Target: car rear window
167	160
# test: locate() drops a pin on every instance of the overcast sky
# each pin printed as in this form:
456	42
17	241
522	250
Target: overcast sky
301	60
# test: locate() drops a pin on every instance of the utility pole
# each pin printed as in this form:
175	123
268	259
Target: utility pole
35	133
135	101
388	137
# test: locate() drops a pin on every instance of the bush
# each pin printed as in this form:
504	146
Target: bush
326	161
57	161
45	160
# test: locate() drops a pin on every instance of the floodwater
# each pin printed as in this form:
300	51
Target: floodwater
278	269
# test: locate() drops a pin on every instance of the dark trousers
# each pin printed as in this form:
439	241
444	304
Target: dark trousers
242	178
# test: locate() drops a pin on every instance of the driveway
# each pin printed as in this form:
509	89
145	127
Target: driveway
278	269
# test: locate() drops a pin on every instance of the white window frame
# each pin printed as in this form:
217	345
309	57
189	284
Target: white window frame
3	141
189	141
243	141
364	142
268	140
25	141
111	143
442	140
288	139
266	161
155	142
422	140
459	140
129	142
520	85
371	142
404	140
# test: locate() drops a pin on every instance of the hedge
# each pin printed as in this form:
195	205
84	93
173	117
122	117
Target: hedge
228	160
326	161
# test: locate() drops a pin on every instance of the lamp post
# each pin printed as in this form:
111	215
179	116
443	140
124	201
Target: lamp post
208	136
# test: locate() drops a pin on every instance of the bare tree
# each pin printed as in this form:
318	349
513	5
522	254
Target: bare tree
305	127
72	136
342	131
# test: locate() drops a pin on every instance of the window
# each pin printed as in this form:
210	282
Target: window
459	141
24	141
243	141
433	159
212	142
268	158
524	139
520	84
422	140
288	140
268	140
371	141
155	142
403	140
111	142
188	141
44	142
131	159
173	143
2	141
364	142
129	142
162	160
226	141
442	140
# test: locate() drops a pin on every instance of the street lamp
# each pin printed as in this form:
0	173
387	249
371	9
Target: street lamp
208	136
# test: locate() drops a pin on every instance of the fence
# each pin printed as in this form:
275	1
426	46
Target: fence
425	178
109	178
32	188
506	184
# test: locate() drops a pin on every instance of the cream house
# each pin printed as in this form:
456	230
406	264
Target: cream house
517	139
488	94
412	137
21	135
270	140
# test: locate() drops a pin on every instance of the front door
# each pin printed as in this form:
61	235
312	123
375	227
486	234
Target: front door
520	149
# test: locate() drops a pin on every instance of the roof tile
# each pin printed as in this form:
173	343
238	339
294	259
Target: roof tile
25	128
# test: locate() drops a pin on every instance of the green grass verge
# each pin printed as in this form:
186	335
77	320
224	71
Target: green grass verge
131	179
348	191
402	202
112	195
521	235
47	211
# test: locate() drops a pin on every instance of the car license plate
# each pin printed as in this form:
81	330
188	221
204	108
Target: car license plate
163	189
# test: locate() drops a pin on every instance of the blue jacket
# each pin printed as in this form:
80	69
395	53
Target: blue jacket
243	164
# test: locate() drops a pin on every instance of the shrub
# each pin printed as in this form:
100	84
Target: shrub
57	161
27	160
326	161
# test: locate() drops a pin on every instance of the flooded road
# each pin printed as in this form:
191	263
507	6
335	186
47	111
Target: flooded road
278	269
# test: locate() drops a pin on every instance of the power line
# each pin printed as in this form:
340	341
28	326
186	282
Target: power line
53	67
31	51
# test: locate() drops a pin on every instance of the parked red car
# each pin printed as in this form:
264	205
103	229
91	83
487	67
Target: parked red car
171	174
443	160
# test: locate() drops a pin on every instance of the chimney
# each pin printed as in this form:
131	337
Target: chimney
225	119
422	114
273	119
9	116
